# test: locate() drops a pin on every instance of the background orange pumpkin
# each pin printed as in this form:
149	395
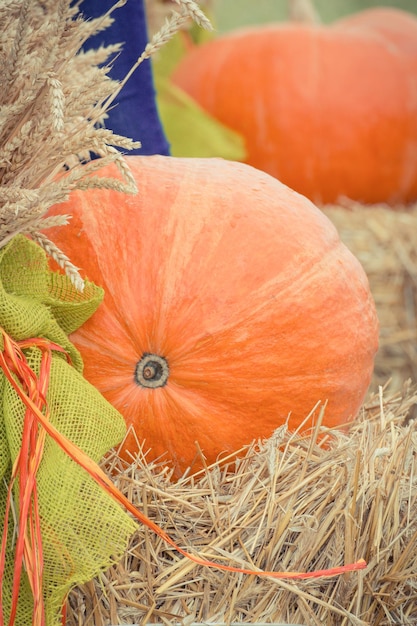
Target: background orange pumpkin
230	304
330	110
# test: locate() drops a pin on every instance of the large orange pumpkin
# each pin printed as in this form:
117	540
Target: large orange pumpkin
230	306
330	110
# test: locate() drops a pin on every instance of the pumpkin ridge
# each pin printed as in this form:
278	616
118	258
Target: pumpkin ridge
266	312
286	286
280	287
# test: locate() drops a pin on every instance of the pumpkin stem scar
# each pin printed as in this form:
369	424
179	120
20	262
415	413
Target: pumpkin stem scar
151	371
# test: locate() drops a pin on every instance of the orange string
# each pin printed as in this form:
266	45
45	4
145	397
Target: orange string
32	391
28	550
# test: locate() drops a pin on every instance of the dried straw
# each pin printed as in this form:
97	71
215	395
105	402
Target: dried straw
384	240
288	504
53	97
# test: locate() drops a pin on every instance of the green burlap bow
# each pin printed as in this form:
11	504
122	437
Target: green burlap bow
83	529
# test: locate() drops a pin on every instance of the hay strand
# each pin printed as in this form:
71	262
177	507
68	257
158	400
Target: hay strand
289	504
384	241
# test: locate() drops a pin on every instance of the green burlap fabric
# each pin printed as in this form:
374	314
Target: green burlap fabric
83	529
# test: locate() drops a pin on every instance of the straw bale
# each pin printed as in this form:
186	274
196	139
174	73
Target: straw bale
288	504
384	241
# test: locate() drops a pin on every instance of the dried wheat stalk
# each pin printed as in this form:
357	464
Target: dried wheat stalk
384	242
158	10
53	103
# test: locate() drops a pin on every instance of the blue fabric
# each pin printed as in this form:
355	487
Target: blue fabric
135	114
